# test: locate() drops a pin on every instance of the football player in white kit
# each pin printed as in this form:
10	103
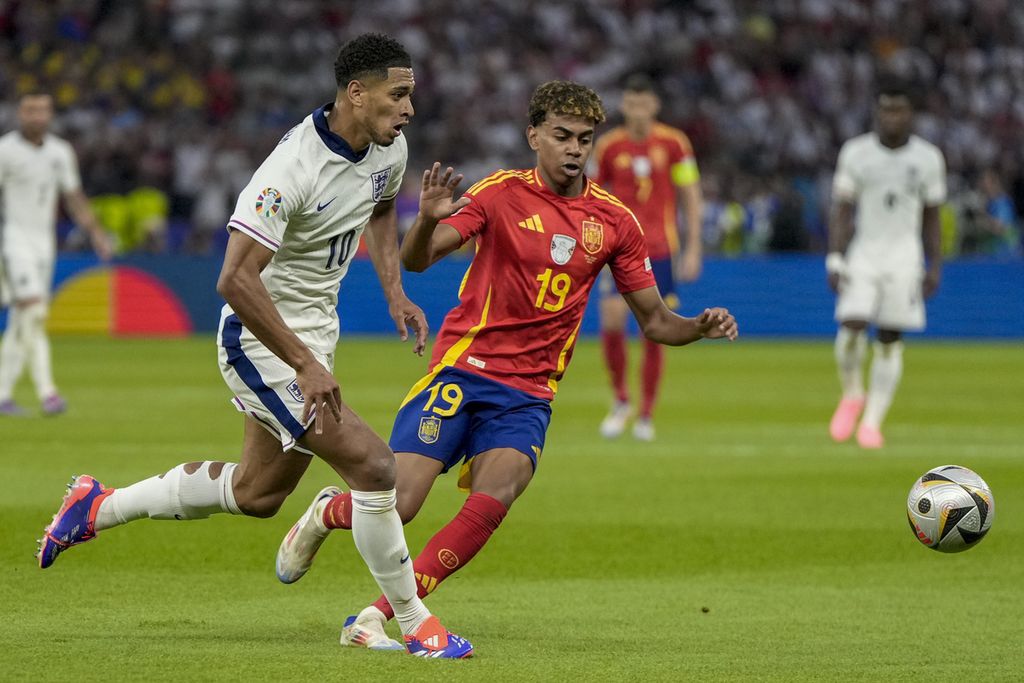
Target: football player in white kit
37	169
884	257
294	231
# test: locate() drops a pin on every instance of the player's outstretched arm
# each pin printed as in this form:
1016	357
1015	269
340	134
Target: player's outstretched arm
661	325
382	243
426	243
240	285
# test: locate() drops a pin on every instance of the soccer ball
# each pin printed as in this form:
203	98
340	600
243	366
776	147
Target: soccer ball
950	509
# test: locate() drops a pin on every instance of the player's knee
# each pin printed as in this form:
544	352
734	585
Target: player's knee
888	336
258	505
377	472
407	509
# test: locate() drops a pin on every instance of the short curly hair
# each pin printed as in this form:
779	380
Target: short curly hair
567	99
370	54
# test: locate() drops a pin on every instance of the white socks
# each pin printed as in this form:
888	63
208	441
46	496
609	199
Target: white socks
886	370
178	494
850	348
377	532
26	340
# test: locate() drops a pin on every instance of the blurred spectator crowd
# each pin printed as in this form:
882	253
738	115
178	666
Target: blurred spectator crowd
171	104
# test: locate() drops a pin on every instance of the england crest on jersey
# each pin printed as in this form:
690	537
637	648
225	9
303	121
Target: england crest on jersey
379	181
562	247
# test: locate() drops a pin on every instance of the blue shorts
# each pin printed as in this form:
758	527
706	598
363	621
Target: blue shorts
664	279
453	415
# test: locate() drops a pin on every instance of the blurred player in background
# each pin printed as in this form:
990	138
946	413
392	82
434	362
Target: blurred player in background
293	234
649	166
37	168
884	257
543	235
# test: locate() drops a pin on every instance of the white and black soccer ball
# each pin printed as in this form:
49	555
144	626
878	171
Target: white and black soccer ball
950	509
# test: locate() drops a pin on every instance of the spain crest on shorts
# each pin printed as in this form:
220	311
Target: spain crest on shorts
593	236
268	203
562	247
430	429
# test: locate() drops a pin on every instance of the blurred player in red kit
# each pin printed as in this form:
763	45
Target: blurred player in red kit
650	167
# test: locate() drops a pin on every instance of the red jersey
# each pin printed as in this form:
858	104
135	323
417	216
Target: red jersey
537	257
644	174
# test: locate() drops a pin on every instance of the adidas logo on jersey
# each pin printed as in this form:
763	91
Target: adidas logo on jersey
532	223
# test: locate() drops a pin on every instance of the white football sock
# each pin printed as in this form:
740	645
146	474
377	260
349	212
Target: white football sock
377	532
14	350
39	352
886	370
174	495
850	348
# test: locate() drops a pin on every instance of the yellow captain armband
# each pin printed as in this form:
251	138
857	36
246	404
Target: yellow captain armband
685	172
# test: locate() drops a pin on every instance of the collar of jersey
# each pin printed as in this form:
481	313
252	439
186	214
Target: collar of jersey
335	142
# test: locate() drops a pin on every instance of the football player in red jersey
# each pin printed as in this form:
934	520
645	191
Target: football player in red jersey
649	166
543	235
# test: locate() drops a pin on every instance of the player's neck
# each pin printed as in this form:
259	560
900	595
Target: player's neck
639	131
895	141
573	189
348	129
36	140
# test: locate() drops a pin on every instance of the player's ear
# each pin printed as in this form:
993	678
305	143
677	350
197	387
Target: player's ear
356	93
531	138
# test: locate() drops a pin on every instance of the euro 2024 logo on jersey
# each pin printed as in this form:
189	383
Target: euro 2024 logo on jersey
562	247
268	203
379	181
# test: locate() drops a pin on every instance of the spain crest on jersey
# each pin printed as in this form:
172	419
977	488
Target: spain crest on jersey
430	429
562	247
593	236
379	181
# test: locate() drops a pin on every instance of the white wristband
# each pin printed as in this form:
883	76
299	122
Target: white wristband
835	263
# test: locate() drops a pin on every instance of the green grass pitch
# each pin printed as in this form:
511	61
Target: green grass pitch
799	548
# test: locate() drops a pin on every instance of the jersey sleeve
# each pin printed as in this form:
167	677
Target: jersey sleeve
278	189
934	190
469	221
68	178
630	264
397	172
844	182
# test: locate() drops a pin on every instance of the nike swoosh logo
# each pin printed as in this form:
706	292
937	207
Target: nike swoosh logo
321	207
404	560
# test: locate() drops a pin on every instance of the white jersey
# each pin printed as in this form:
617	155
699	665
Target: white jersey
32	179
309	202
890	187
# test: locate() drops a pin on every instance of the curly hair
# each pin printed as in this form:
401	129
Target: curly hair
565	98
370	54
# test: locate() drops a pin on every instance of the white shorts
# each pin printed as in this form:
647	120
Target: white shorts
264	385
26	276
891	300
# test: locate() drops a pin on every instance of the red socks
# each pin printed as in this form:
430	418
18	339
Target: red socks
650	376
338	512
454	546
614	344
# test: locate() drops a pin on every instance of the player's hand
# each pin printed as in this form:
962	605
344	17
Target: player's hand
321	393
689	267
438	191
406	314
716	323
102	244
931	281
833	281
